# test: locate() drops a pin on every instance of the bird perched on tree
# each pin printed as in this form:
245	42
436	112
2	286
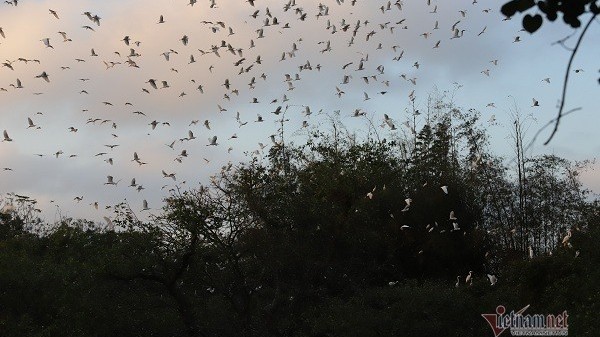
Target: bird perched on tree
469	278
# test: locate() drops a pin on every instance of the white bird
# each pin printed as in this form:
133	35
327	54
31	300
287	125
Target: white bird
110	181
455	226
530	252
456	34
135	158
19	85
445	189
44	76
166	55
469	278
492	279
6	137
457	281
31	124
54	13
47	42
168	175
152	83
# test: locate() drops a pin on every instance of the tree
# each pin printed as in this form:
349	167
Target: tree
337	236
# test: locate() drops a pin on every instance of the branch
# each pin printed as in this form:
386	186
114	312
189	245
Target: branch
548	124
564	92
562	41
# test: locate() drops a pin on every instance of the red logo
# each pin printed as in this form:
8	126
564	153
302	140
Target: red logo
495	320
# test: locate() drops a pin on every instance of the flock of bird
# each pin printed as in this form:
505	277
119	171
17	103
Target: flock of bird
230	66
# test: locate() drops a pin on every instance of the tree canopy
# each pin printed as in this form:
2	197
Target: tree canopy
341	235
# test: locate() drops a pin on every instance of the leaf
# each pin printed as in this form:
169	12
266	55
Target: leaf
532	23
510	8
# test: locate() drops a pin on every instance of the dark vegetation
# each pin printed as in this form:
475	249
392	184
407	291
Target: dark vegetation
319	240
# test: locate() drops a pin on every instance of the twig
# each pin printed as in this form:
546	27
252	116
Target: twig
564	92
562	41
548	124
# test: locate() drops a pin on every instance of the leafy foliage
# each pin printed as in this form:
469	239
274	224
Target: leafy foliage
334	237
571	11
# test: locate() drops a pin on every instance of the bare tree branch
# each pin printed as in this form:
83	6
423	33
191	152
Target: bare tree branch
564	91
548	124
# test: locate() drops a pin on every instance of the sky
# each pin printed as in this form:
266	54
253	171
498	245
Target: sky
312	42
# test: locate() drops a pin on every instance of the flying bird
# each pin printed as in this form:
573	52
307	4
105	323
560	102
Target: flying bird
6	137
169	175
44	76
31	124
212	141
110	181
46	42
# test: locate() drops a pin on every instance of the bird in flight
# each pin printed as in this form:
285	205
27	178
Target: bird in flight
46	42
6	137
43	76
212	141
110	181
